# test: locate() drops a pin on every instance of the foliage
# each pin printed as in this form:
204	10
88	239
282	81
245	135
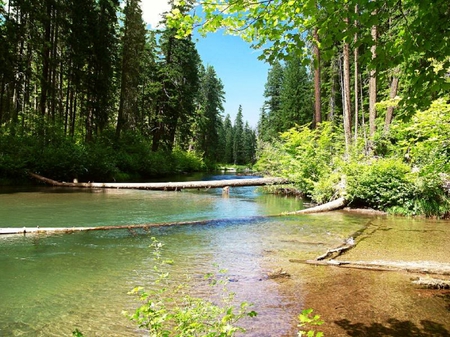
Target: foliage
169	310
408	180
78	77
424	141
303	156
77	333
288	99
306	318
105	159
282	30
381	184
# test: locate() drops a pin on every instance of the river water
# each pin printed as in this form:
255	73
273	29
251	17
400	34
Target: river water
52	284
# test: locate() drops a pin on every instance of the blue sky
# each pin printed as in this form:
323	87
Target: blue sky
236	64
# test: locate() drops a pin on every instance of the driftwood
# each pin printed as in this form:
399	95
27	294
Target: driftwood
51	230
432	283
147	226
329	206
411	267
169	186
335	252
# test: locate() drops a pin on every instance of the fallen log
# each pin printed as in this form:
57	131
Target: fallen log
336	252
52	230
411	267
329	206
167	186
432	283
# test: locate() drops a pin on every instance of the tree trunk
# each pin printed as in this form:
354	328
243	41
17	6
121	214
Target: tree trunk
390	109
317	85
347	100
373	87
177	186
332	104
329	206
46	61
356	89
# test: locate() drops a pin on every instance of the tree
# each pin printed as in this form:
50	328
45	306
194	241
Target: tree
229	140
283	29
296	96
238	138
178	74
249	144
270	115
317	84
209	117
133	45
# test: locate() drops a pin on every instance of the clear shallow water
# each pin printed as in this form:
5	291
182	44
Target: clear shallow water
57	207
50	285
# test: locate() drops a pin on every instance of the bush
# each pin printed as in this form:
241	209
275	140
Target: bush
303	156
381	184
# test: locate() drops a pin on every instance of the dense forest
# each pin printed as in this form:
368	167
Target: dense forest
357	99
87	91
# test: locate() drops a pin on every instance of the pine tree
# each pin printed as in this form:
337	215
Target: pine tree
269	121
209	116
229	140
296	96
238	138
133	46
249	144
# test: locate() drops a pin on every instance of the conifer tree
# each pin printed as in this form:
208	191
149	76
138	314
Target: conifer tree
133	45
211	99
228	131
238	138
270	115
249	144
178	75
296	96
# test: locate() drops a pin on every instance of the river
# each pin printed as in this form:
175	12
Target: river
52	284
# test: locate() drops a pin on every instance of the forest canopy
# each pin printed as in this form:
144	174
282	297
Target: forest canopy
346	98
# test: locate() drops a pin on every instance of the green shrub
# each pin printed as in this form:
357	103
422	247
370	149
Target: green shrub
381	184
303	156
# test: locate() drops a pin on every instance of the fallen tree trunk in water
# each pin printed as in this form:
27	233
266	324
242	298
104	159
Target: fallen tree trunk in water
169	186
421	267
329	206
131	228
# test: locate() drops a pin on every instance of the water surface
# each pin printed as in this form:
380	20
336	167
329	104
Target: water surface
52	284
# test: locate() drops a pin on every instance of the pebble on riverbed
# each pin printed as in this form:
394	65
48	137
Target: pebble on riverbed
279	273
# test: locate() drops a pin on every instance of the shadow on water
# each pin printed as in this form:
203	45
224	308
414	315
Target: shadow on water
394	327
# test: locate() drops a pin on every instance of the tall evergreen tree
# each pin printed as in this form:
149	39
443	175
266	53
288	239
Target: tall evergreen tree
104	63
238	138
133	46
228	131
179	78
269	122
209	117
296	96
249	144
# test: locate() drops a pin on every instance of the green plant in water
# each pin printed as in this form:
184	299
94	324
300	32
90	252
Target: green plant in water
169	310
77	333
306	318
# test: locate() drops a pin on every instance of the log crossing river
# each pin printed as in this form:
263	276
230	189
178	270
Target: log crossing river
167	186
